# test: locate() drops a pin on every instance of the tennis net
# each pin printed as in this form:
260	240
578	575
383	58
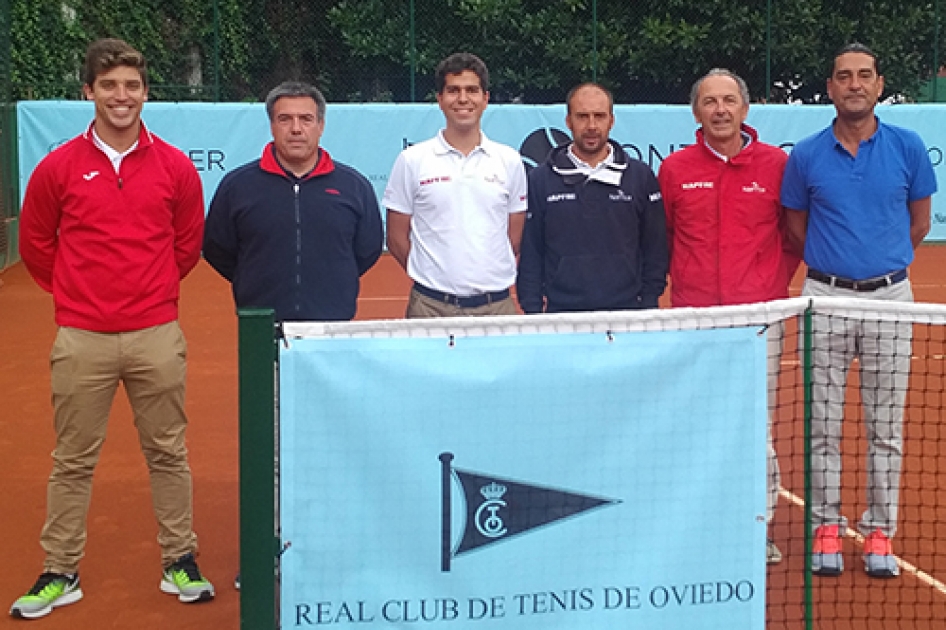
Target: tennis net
837	374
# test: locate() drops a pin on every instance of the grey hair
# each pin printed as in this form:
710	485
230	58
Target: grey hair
719	72
294	89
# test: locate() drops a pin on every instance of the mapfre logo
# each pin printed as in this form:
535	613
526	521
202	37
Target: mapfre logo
561	197
434	180
696	185
754	188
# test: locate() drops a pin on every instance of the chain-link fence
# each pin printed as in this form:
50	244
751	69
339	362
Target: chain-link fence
646	51
8	190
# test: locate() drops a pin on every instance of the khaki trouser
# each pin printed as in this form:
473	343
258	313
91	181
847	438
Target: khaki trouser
419	306
86	369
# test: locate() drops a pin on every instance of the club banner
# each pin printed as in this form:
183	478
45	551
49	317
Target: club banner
219	137
529	481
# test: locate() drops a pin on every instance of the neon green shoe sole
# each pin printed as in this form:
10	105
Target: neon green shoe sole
183	579
50	591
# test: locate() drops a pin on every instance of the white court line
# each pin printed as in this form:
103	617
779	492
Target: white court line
905	566
913	357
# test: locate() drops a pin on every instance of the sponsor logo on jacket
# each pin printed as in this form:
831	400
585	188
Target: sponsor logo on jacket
561	197
696	185
754	188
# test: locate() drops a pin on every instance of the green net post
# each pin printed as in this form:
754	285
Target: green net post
806	385
259	542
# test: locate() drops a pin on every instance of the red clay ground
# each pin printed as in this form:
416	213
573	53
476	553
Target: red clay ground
122	568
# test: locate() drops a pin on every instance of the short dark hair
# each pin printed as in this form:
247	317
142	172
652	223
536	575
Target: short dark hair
457	63
719	72
294	89
589	84
854	47
104	54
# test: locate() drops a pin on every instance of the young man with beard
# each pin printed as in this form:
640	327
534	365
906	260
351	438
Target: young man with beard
456	204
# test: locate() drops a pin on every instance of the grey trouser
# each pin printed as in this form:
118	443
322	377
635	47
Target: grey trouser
774	338
883	349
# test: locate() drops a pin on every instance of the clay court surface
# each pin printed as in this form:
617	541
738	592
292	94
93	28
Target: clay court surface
121	571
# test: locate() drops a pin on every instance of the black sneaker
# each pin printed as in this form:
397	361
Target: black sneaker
183	579
50	591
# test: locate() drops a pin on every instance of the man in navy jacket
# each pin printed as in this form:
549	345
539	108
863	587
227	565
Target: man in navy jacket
595	235
294	231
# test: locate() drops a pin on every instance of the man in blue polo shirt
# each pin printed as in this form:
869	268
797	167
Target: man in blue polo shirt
859	199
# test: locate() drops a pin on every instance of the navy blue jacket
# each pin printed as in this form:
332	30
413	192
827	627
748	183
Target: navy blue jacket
298	246
590	245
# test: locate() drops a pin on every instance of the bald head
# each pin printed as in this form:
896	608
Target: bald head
586	87
590	119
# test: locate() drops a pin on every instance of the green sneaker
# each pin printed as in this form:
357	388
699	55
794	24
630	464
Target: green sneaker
50	591
183	579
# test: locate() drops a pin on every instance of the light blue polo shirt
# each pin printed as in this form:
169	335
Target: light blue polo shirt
858	214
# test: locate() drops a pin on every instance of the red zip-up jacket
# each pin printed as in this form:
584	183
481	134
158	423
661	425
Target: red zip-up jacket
725	226
112	247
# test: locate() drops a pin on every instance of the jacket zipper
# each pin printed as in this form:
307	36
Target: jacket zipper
298	211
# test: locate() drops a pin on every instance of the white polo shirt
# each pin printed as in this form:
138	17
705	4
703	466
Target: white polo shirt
459	206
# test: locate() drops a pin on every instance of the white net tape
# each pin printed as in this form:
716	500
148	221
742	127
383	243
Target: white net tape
761	314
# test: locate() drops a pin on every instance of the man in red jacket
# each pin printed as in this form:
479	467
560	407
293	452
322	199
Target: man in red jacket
111	223
725	223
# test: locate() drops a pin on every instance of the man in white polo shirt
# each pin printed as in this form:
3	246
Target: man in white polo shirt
456	205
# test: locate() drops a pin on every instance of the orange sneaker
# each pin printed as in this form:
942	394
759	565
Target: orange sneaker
826	558
879	561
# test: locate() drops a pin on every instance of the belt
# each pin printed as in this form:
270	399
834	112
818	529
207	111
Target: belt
871	284
471	301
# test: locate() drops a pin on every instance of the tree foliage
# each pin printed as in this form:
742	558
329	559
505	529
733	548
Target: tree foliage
365	50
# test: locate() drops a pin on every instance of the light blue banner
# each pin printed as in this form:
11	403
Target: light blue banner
524	481
220	137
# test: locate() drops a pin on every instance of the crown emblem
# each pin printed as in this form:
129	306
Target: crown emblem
493	492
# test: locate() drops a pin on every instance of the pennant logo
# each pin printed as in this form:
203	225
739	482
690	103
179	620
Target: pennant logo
494	509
